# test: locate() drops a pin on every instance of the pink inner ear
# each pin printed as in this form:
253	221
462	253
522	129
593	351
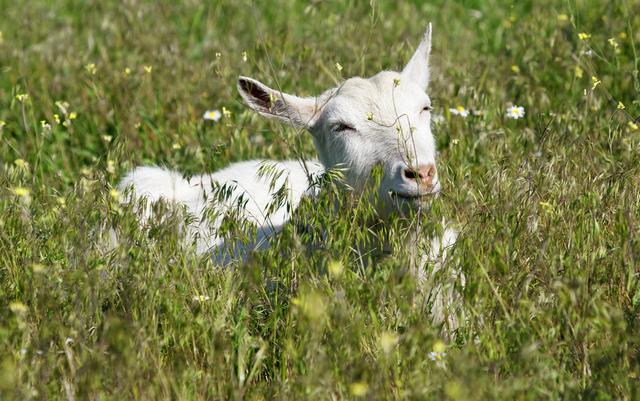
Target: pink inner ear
256	92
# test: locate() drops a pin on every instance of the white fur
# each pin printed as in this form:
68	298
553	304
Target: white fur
243	179
387	122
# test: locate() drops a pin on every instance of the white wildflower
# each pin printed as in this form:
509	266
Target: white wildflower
437	356
201	298
515	112
212	115
459	111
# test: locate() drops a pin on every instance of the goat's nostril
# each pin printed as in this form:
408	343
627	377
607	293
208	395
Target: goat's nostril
431	170
426	172
411	174
423	175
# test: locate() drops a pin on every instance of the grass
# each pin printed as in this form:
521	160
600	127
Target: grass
548	205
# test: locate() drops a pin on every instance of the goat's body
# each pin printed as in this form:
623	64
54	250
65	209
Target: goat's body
382	121
244	187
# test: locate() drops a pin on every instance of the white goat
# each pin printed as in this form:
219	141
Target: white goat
381	121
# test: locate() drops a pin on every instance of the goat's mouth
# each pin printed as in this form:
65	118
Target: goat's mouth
411	196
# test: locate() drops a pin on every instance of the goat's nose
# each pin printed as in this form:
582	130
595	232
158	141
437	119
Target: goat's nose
423	174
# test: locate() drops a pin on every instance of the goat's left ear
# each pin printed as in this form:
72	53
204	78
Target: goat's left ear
417	69
297	111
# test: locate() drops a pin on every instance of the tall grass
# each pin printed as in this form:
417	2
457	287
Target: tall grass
548	205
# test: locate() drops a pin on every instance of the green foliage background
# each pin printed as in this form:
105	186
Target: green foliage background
548	205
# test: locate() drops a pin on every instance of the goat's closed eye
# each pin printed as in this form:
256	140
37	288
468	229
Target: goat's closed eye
342	127
426	108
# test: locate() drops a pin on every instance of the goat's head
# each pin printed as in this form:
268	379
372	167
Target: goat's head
380	121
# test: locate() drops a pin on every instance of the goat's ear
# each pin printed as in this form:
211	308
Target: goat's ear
297	111
417	69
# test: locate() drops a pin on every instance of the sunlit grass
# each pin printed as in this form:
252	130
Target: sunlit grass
548	205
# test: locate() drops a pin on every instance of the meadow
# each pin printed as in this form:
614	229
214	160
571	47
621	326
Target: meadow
548	205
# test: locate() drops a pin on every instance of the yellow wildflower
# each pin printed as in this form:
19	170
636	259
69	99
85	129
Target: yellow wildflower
2	124
515	69
37	268
388	341
22	97
17	307
578	71
454	390
548	207
633	126
115	195
338	67
91	68
336	268
359	389
226	112
21	192
622	35
613	43
312	305
439	346
244	57
620	106
563	17
595	81
583	36
148	69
